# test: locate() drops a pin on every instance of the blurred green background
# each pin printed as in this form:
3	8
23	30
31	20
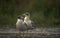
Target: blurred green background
45	13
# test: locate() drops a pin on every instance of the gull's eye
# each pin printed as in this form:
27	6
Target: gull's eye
27	14
19	17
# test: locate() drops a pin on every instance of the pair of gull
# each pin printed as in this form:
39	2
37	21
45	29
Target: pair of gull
25	23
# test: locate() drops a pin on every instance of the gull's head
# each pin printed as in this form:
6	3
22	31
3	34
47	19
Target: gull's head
26	14
19	17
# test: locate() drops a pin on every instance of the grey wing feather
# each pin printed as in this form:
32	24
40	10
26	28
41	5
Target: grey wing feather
33	24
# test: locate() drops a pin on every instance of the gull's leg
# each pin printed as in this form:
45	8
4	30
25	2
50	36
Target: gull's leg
19	33
27	32
23	34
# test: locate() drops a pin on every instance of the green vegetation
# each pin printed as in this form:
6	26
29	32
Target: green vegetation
45	13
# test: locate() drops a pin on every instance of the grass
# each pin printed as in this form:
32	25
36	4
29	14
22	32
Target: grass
37	17
41	16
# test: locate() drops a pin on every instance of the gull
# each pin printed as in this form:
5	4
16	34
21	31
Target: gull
30	24
20	25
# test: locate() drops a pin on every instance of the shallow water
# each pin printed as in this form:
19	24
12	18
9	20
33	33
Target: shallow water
37	30
35	33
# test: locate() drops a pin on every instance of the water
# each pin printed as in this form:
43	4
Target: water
38	30
36	33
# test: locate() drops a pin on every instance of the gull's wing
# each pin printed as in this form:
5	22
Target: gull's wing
33	24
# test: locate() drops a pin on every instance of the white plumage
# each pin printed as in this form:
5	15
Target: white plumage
20	24
27	20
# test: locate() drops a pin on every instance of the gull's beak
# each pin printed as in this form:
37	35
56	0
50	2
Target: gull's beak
22	17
